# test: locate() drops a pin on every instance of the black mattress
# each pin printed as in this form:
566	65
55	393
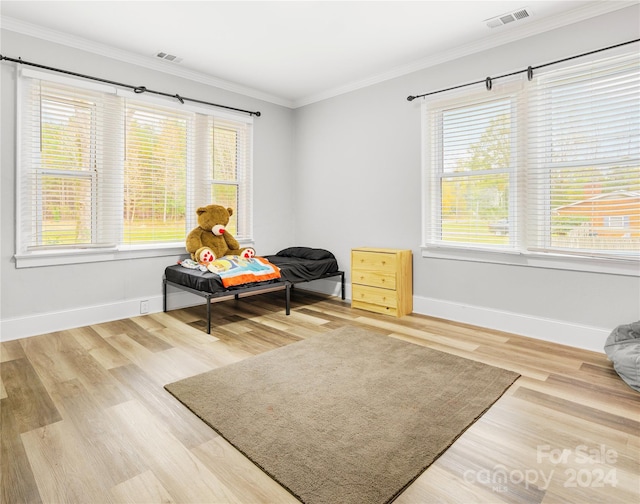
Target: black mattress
297	264
297	269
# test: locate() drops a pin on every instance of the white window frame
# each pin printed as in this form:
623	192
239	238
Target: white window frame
432	110
520	255
242	180
195	197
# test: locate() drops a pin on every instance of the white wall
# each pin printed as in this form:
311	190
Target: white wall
358	179
37	300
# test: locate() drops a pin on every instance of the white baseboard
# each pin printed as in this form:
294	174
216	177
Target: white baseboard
556	331
23	327
33	325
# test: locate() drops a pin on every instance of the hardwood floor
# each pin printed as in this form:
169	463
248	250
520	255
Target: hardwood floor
85	418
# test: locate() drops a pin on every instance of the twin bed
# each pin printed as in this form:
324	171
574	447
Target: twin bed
297	265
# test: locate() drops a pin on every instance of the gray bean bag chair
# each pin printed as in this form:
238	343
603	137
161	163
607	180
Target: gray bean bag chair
623	349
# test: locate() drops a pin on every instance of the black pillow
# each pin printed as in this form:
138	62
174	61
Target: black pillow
314	254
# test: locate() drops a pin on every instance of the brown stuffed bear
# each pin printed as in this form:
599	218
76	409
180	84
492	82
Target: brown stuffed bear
210	240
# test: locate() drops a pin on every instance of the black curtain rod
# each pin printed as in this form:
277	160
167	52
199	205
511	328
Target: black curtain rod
136	89
529	70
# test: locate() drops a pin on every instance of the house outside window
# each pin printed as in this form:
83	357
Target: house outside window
102	169
548	167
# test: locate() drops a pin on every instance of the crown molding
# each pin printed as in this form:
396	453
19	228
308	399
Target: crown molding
30	29
527	29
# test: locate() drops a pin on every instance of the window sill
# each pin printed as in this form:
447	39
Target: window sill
78	256
626	267
43	258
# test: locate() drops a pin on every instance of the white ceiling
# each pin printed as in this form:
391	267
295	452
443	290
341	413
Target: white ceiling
294	52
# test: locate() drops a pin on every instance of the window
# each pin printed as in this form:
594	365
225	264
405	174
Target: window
104	169
59	196
472	183
230	187
549	166
616	221
155	173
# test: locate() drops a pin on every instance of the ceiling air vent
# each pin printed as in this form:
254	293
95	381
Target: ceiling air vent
508	18
168	57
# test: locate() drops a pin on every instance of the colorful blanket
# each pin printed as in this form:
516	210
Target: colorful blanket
235	270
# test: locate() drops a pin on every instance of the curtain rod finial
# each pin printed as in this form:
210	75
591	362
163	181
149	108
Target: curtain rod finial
257	114
411	98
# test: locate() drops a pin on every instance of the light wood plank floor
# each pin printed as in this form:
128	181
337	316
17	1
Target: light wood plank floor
85	418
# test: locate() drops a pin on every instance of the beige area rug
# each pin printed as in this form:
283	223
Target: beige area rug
347	416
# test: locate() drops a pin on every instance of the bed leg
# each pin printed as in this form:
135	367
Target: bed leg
287	298
164	294
342	278
208	315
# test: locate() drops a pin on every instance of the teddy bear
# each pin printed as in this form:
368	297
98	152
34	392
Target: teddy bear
210	240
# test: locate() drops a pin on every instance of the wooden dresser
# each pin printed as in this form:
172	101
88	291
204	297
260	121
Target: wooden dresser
381	280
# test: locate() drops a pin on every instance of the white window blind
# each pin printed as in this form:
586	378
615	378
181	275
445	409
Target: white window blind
549	166
65	154
155	173
100	168
472	155
584	147
229	162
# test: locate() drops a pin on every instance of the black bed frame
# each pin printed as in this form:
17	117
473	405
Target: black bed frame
249	290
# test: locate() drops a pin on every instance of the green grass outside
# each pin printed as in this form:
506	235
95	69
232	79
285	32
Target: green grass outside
457	231
64	232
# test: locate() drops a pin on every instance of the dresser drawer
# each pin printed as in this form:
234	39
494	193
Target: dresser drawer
373	261
374	278
374	295
385	310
